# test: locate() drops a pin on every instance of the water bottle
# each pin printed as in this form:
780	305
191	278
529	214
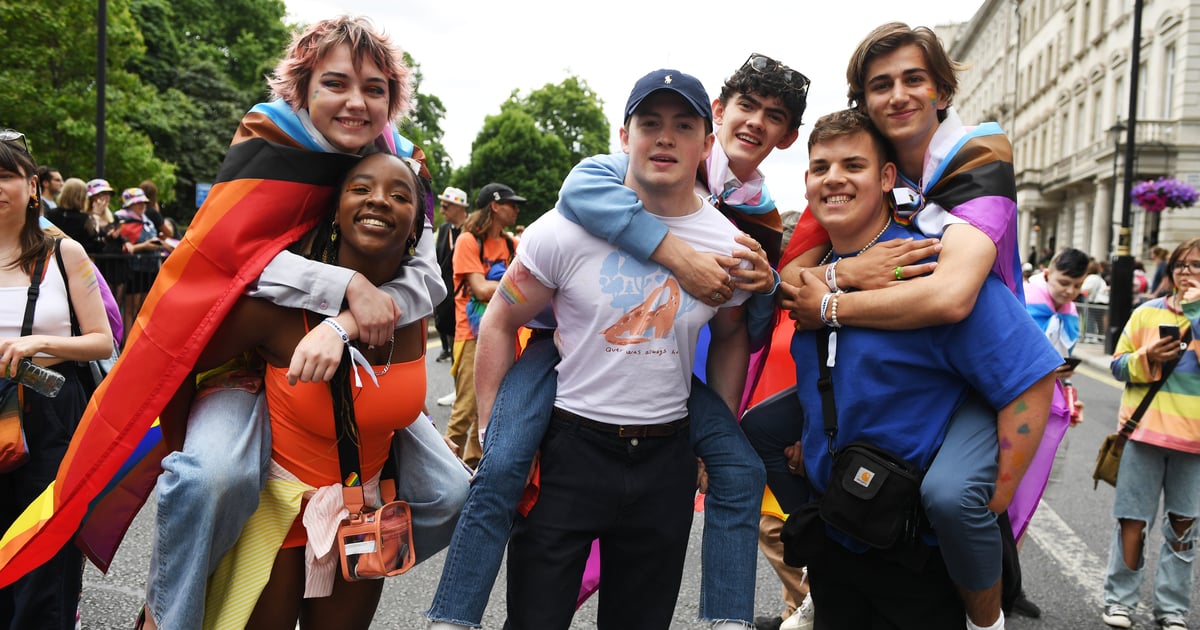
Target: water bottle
42	380
1072	397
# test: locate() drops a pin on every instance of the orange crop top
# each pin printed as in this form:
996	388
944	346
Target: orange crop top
302	431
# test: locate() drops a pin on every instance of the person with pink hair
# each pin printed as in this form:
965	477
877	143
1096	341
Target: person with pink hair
337	91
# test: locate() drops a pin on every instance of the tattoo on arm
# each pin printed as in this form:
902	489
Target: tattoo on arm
510	289
86	272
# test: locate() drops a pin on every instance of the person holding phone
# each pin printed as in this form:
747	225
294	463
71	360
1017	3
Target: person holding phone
1050	300
1162	457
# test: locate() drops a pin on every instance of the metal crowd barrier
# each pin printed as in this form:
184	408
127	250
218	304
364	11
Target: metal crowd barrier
1092	322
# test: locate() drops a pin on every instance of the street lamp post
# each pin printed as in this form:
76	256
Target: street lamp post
101	82
1120	301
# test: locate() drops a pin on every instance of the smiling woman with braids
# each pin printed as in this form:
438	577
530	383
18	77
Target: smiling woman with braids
378	220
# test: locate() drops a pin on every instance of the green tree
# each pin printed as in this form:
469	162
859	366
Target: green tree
424	127
207	60
512	150
48	68
534	141
571	111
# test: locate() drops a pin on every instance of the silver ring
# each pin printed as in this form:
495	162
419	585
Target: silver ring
716	296
793	468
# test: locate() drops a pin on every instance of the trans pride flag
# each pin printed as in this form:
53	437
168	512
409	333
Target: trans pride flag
273	186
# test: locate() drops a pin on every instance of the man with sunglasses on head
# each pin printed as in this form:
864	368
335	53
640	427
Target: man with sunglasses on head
759	110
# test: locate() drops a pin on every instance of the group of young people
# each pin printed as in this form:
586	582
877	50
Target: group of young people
652	288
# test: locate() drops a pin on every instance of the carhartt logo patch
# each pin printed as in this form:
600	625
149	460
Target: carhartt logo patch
863	477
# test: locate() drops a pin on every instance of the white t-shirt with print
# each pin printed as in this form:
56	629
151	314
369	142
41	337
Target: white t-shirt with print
626	330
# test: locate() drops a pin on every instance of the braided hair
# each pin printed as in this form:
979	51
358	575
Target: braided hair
325	249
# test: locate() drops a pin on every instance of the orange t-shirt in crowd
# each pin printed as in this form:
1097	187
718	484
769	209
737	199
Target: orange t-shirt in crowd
467	261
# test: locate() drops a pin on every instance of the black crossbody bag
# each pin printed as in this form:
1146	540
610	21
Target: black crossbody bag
873	496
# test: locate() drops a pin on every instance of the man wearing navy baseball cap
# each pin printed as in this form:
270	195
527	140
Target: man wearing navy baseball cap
616	460
685	85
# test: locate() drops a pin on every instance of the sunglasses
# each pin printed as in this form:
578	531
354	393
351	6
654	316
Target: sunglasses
764	64
11	137
412	165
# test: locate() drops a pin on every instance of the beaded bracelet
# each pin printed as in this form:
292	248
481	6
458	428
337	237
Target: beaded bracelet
824	305
332	323
831	275
833	312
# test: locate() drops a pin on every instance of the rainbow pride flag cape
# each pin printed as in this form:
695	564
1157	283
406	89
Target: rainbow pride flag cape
273	186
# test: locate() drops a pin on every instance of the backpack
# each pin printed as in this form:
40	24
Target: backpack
475	306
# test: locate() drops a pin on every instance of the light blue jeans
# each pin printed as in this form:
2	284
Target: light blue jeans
209	490
955	493
519	420
1146	472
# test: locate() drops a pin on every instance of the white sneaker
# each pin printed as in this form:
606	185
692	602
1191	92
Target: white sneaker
1117	616
802	619
447	400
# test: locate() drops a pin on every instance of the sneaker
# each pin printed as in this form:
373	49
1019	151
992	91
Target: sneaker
1117	616
767	623
446	355
803	618
1172	623
447	400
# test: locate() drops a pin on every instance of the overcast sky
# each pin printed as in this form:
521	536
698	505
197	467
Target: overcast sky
474	53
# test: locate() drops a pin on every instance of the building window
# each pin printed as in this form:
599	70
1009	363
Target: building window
1086	23
1168	81
1120	98
1143	81
1080	126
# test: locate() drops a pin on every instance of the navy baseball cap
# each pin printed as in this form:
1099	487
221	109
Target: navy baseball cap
686	85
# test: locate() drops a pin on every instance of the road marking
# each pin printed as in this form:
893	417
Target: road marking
1058	540
1102	377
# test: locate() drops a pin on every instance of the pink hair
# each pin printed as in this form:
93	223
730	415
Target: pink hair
290	79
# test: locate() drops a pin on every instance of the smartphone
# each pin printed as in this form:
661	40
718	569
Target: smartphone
1168	330
1072	362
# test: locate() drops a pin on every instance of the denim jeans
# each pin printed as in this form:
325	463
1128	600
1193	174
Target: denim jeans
209	490
955	493
1147	472
520	416
205	494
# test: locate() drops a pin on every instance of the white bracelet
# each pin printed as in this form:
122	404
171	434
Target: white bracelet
831	275
825	305
833	313
332	323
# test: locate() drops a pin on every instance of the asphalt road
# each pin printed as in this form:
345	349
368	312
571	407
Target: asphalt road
1064	554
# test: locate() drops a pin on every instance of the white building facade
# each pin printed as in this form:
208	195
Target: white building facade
1056	74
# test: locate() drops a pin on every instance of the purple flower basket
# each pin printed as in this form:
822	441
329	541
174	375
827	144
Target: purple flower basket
1156	195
